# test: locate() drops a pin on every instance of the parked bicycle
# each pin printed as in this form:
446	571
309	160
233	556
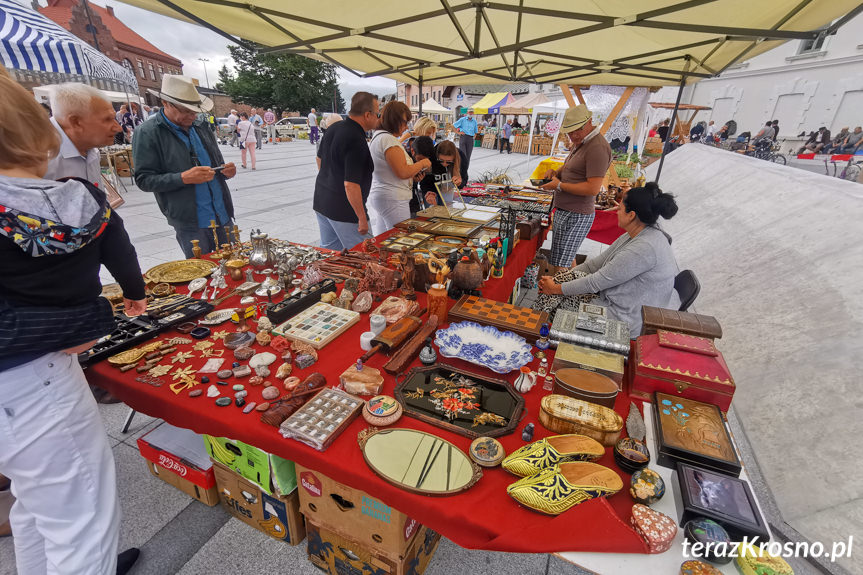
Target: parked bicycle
767	150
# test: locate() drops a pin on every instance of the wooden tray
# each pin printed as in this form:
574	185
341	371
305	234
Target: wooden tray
524	321
492	395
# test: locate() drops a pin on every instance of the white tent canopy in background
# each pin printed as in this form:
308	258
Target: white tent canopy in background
431	106
44	93
601	100
30	41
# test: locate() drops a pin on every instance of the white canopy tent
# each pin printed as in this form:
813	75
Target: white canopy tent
431	106
29	41
664	42
601	100
43	93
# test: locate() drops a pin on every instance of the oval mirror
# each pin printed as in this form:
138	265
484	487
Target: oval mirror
417	461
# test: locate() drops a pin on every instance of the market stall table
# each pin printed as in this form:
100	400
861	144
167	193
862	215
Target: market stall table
483	517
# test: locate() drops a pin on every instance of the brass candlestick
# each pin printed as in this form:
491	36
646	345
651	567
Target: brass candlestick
237	236
196	249
228	234
214	227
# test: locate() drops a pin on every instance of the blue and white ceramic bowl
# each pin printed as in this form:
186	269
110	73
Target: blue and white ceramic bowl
499	351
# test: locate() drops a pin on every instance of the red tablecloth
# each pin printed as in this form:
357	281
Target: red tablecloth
483	517
605	229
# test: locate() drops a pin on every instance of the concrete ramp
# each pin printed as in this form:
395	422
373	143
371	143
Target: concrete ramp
779	254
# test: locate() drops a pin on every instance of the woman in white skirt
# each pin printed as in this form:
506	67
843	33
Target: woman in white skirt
247	138
392	181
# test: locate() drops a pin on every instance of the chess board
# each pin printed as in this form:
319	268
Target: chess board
504	316
318	325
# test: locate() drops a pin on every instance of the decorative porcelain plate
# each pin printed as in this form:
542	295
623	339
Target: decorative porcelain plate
218	316
181	271
500	351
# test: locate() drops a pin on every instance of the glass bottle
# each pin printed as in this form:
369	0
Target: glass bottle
543	368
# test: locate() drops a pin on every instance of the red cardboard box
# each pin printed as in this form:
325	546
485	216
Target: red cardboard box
178	469
342	509
682	365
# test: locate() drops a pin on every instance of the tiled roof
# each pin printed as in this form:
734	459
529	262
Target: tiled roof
62	14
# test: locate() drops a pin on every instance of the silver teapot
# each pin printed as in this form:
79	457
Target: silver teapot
261	258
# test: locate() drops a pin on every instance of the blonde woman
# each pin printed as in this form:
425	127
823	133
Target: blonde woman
424	127
392	180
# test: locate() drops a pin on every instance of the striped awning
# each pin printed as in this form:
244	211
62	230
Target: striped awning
30	41
491	103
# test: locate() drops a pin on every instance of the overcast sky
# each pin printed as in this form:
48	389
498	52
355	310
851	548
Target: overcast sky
174	37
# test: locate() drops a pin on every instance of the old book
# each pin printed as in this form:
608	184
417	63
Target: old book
581	329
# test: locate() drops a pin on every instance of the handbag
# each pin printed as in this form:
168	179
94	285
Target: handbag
243	139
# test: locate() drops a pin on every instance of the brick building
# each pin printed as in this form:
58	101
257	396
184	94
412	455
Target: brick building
114	39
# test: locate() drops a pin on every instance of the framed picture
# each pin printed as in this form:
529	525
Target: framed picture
408	241
451	228
692	432
727	500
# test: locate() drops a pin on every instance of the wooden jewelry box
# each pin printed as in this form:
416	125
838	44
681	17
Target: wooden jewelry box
682	365
654	319
726	500
691	432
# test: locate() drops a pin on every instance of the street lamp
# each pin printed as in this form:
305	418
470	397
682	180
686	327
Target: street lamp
206	78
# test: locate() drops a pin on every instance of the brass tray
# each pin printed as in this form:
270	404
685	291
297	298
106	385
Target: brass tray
180	271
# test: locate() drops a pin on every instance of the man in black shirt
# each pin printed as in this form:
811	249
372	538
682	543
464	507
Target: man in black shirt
345	169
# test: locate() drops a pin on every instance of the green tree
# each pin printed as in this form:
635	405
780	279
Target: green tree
280	81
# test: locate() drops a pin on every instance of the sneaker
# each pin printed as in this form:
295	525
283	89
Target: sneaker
126	560
548	452
562	487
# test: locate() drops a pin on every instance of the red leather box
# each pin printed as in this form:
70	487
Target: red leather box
683	365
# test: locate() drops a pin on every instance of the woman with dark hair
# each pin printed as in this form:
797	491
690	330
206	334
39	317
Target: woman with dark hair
392	180
423	148
638	269
450	162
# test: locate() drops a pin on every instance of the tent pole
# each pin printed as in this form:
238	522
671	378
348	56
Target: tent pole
420	113
670	127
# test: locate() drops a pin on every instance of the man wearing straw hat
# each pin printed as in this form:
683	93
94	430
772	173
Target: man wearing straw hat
176	158
576	184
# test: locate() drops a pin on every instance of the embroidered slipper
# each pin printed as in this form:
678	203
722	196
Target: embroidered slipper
555	490
548	452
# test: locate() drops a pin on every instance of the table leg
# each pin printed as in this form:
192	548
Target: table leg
128	422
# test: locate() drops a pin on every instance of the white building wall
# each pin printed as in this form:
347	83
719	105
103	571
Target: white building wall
802	90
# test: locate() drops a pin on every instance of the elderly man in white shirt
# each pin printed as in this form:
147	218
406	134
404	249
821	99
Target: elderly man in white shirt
85	120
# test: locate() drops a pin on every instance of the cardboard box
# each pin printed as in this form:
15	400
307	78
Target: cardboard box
269	472
206	496
371	522
177	457
338	555
276	515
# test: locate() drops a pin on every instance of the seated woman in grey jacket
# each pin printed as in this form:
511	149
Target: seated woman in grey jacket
637	269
